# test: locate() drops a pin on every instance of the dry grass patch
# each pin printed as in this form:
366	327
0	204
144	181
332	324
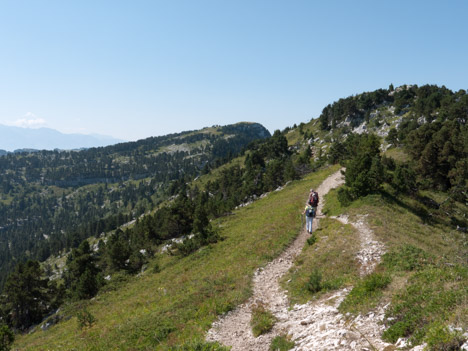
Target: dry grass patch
398	154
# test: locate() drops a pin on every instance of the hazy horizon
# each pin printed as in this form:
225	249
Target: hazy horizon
135	70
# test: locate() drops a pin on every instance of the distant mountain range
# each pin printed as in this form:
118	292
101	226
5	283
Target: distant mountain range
14	138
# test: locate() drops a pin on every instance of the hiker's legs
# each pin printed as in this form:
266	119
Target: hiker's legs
309	224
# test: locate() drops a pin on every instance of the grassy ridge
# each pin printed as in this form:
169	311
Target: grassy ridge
423	275
178	304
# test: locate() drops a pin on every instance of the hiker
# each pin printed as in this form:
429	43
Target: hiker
313	200
309	214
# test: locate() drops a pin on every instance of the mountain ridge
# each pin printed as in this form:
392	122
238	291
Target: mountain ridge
17	138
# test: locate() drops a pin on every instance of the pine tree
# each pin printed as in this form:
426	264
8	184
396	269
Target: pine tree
117	248
81	278
25	299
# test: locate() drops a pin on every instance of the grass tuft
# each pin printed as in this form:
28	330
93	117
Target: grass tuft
281	343
200	346
312	240
262	320
315	281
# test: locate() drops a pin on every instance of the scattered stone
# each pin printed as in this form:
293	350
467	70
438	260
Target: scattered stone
401	342
352	336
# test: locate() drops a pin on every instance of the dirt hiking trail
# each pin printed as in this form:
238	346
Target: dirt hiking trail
316	325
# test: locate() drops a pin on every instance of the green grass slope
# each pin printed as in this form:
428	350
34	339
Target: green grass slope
177	305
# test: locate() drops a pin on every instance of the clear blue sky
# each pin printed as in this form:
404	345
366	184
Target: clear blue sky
133	69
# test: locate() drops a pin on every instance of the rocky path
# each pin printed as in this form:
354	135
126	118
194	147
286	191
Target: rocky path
234	329
371	249
316	325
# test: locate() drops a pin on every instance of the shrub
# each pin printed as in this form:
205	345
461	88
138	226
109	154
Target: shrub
392	137
441	338
376	281
315	281
135	262
397	330
333	284
6	337
364	174
207	236
404	179
344	196
187	246
85	318
262	320
281	343
388	163
312	240
156	268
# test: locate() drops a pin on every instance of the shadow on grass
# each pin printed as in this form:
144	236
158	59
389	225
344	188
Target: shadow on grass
419	211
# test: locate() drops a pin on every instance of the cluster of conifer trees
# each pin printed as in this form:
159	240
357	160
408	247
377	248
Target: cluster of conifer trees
432	130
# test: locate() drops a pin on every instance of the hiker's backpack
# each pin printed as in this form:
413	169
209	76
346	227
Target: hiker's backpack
309	212
314	199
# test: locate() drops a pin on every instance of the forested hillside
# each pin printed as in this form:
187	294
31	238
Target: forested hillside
427	122
160	282
51	200
183	221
